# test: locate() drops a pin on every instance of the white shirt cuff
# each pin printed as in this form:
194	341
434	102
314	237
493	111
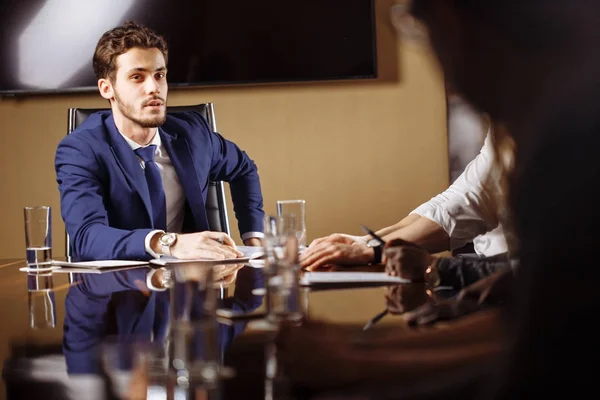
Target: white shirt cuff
147	243
149	276
249	235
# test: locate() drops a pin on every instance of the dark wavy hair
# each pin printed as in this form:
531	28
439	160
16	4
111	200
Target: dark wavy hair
118	41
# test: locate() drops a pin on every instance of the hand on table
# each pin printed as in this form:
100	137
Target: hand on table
207	244
254	241
335	253
406	260
339	248
339	238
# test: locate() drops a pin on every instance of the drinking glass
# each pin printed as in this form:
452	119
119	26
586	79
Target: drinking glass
38	236
282	270
297	209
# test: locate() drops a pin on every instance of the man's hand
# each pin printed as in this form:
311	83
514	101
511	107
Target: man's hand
406	260
212	245
254	241
326	253
338	238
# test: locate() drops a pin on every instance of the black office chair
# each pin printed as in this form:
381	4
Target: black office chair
216	207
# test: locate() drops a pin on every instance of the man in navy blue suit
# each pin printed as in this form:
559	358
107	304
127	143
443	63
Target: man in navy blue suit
133	184
133	180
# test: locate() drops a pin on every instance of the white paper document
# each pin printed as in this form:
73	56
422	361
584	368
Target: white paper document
250	253
100	264
314	278
80	270
167	260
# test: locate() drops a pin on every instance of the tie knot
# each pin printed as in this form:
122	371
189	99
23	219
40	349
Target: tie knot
146	153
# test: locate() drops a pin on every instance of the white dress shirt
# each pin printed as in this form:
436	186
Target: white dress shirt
174	196
467	211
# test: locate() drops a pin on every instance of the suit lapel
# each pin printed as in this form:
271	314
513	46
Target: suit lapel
129	164
181	157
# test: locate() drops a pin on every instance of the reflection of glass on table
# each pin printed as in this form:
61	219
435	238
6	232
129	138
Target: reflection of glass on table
136	368
42	304
194	344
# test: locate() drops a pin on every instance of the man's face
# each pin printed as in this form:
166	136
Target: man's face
139	90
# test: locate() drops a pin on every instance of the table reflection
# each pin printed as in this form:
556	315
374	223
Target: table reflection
119	305
41	300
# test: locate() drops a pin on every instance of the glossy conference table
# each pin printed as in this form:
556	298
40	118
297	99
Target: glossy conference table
25	298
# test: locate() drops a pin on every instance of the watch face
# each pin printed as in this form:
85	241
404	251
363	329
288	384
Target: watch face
373	243
167	239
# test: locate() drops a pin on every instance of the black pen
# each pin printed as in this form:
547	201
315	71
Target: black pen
373	235
375	319
382	242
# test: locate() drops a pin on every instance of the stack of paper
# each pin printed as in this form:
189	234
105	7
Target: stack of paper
250	253
345	277
97	266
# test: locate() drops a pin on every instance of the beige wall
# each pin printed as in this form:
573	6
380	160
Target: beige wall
357	151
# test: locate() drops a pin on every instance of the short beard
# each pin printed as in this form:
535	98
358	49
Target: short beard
151	122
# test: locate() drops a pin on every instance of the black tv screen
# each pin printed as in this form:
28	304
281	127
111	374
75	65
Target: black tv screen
47	45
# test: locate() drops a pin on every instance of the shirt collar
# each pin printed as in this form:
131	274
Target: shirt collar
134	146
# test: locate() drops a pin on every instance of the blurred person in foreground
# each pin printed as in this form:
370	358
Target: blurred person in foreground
533	66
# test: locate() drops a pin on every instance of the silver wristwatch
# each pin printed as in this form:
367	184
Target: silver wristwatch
373	243
166	240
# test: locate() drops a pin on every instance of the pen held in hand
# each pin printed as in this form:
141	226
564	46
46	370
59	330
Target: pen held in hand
373	235
395	242
375	319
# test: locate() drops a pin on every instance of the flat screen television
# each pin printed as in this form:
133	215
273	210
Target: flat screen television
46	46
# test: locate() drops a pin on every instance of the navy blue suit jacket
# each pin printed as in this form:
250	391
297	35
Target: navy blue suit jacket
104	196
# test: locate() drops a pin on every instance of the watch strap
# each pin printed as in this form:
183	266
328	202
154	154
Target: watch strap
377	254
166	250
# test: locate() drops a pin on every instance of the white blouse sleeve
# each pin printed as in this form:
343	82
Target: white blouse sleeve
466	209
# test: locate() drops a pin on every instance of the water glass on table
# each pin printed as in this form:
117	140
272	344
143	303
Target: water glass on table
297	209
282	270
38	237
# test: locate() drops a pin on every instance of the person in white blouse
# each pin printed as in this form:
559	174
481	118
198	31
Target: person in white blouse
464	212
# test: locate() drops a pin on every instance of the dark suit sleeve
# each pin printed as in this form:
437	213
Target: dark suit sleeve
82	194
231	164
